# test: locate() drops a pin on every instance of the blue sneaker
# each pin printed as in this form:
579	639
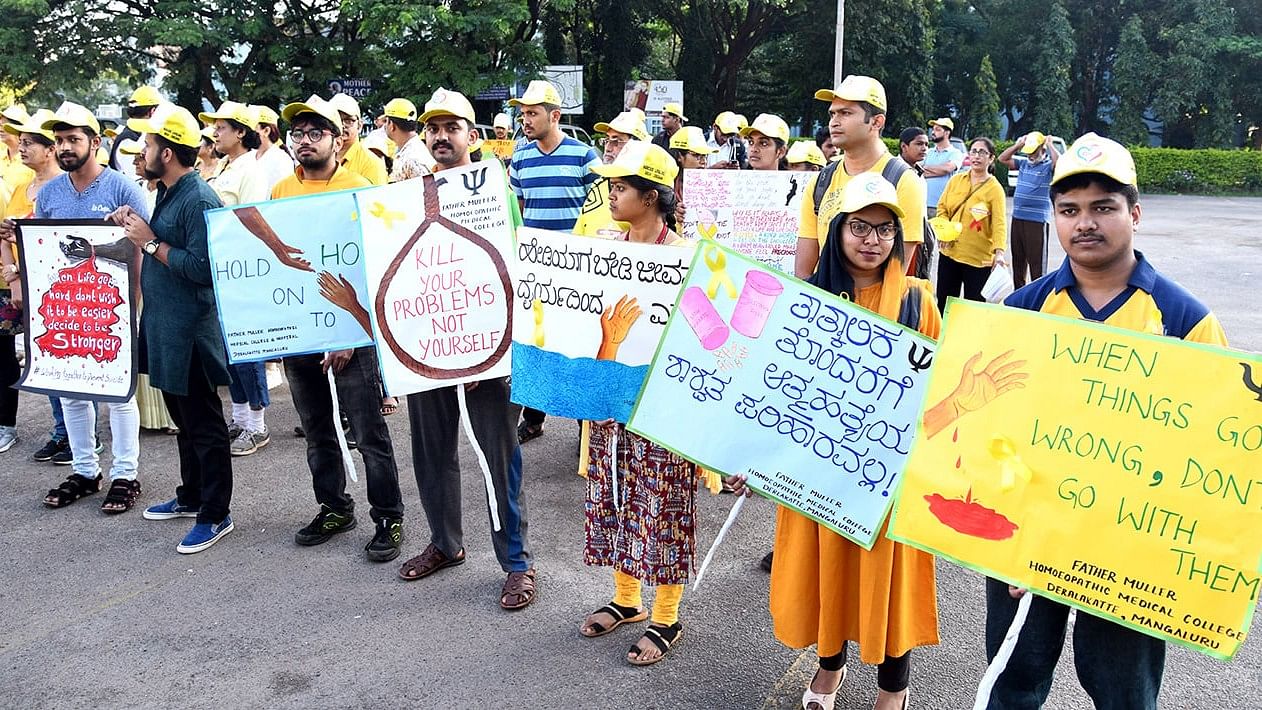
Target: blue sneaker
203	535
168	511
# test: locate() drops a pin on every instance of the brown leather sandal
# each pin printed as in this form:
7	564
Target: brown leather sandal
428	562
518	591
121	496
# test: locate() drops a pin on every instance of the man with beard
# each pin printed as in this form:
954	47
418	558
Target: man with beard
940	162
315	131
550	175
87	190
434	418
353	155
181	346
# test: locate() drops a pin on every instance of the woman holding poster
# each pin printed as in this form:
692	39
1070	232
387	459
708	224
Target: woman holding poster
641	498
826	590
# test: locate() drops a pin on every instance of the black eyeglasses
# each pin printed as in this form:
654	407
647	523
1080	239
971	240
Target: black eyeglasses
861	230
313	135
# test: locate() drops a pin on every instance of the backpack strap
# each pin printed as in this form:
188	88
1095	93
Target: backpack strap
909	309
823	179
894	169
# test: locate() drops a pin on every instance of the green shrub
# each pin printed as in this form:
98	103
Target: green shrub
1202	171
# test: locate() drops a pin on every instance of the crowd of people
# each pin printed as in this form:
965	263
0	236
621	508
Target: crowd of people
869	223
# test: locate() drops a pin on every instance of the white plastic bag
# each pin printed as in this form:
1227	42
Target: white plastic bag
998	285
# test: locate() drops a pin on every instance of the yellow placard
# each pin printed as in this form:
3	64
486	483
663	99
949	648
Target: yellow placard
1115	471
502	149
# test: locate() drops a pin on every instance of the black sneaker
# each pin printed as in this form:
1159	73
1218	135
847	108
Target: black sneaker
384	545
47	451
326	524
64	456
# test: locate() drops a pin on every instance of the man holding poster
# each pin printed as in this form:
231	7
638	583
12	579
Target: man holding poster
316	132
1103	279
434	418
181	347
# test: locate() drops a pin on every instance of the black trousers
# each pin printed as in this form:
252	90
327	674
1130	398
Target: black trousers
892	675
205	458
952	275
9	373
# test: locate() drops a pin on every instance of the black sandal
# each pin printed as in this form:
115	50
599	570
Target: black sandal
526	432
71	490
662	636
121	496
621	615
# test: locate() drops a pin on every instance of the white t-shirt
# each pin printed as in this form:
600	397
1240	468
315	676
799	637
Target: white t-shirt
240	181
275	164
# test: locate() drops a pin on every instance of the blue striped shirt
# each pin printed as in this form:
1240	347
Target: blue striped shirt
553	185
1030	200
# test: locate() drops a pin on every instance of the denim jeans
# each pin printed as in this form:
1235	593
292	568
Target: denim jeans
80	421
249	385
359	395
1118	667
59	419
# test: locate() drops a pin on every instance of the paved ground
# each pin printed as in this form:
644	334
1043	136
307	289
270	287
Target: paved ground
100	612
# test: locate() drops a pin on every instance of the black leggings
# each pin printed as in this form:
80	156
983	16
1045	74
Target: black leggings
952	275
9	373
892	674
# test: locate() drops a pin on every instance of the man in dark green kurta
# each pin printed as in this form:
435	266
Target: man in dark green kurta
181	347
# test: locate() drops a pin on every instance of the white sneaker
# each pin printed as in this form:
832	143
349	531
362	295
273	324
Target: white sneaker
8	437
244	444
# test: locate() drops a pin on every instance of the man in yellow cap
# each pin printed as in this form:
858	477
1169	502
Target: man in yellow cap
272	155
144	100
672	120
503	126
941	162
434	419
353	155
12	171
1104	279
856	117
595	220
550	175
1034	155
412	159
729	150
315	130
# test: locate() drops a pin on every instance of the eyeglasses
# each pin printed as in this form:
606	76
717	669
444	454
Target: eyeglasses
313	135
615	142
979	151
861	230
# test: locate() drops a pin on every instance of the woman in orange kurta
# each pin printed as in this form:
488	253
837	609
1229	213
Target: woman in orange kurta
826	590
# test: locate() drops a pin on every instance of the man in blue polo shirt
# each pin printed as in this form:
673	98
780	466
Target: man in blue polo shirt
940	163
1103	279
1035	156
550	176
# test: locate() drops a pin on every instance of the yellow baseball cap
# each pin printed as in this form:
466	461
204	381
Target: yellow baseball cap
445	102
728	123
33	124
401	109
264	114
173	123
232	111
806	152
856	88
648	160
130	146
209	133
691	139
16	114
538	92
502	120
944	230
102	156
869	189
1033	141
769	125
144	96
318	106
346	104
1095	154
675	109
72	114
626	122
741	121
945	122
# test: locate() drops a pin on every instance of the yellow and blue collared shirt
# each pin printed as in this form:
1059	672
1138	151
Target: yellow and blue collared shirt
1151	303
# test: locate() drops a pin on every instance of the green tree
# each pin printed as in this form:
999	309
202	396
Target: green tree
982	118
1051	111
1134	74
608	37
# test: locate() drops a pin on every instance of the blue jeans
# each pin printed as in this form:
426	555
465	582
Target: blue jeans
249	384
1118	667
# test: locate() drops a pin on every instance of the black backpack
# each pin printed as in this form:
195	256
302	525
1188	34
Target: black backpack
893	172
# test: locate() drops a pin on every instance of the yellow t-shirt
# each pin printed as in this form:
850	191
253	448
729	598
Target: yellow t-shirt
241	181
982	213
19	206
295	184
911	197
362	161
596	220
12	175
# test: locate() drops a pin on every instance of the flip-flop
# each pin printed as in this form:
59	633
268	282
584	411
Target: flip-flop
664	637
621	615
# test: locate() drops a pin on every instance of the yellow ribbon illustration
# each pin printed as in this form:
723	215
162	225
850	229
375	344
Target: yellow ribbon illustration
707	231
1011	466
537	309
379	211
717	261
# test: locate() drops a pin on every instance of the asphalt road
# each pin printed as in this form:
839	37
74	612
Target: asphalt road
100	612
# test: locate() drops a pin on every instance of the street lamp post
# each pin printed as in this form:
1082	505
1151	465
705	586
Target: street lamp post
841	21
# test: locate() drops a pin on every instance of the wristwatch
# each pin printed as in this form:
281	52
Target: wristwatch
151	247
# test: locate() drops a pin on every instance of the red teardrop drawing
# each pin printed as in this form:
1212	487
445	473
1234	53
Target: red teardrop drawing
969	517
445	303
